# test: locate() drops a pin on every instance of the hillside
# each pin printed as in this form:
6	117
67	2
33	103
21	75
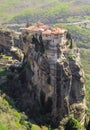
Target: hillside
12	119
22	87
48	11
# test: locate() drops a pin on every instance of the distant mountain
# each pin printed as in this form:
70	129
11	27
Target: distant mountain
47	11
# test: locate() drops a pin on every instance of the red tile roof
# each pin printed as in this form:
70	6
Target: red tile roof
47	32
58	31
45	29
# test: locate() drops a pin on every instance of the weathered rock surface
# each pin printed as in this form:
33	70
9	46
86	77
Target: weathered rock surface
51	83
10	43
54	76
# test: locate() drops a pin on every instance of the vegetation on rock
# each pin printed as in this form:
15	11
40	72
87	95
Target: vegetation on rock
72	124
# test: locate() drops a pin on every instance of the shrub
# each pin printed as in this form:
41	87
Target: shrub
72	124
71	56
88	126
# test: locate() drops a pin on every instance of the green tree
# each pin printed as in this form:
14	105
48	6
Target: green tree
72	124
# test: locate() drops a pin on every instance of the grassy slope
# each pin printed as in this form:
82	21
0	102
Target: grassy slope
22	11
11	119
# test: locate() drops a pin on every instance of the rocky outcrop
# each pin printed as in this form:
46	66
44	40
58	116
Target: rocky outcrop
10	44
9	38
51	81
54	74
6	38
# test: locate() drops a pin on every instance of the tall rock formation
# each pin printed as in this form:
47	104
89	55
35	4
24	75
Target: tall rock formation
54	74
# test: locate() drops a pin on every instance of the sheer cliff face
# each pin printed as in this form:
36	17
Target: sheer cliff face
55	76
